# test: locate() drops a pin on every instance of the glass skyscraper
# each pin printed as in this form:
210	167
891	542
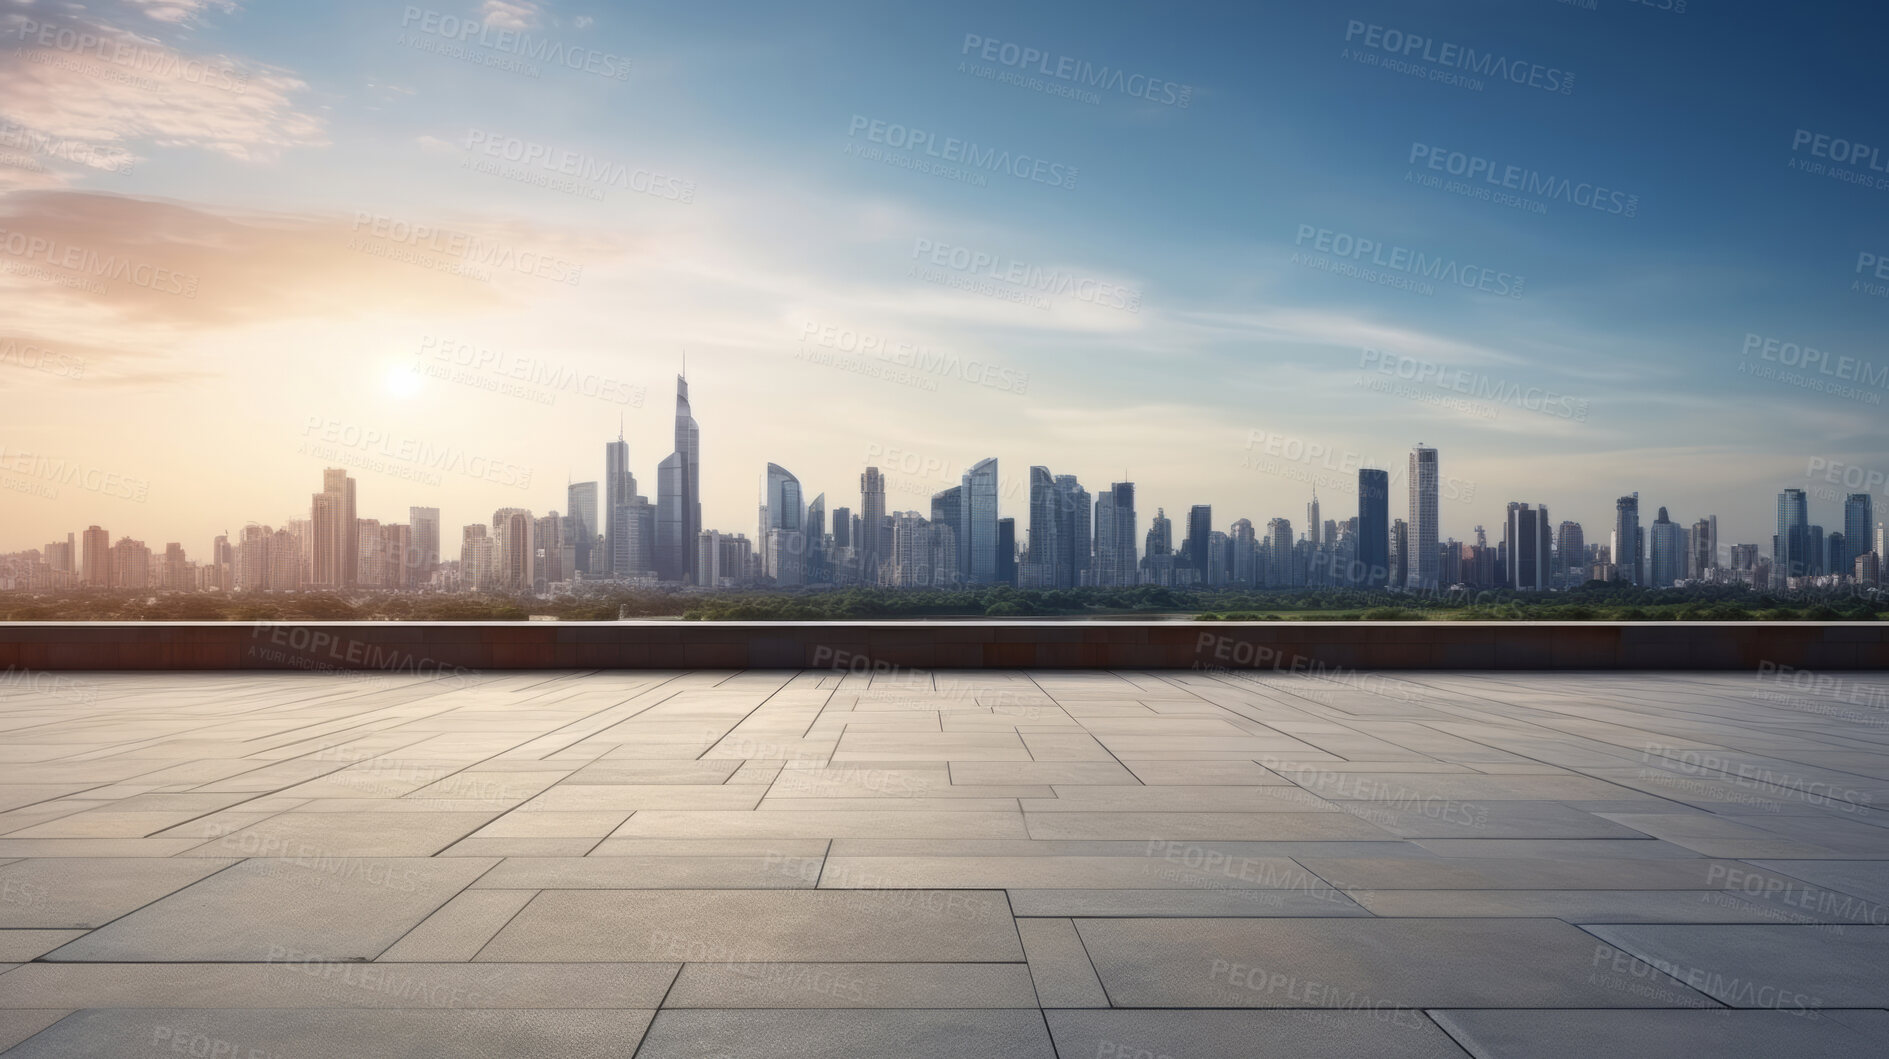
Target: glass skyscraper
979	536
1790	549
1629	564
679	496
1423	519
1374	528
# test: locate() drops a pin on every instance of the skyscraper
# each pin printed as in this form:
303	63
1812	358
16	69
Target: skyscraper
783	544
842	527
1525	540
947	509
679	496
1422	552
1702	547
871	519
1627	560
1199	527
337	539
1858	518
1400	553
514	550
1314	524
980	523
1115	565
95	561
1790	549
424	527
1570	555
619	489
580	503
1006	552
1668	540
1374	541
1279	534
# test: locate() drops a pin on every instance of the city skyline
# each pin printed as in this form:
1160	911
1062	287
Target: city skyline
269	238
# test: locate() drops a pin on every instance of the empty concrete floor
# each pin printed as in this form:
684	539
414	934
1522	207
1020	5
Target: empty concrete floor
1074	864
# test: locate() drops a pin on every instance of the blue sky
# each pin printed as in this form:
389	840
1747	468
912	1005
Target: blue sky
1244	338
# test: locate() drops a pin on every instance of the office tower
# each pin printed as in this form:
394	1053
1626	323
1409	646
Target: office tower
222	557
174	568
619	487
1194	548
1628	557
977	546
514	552
396	546
1570	555
130	564
1006	552
1814	550
1245	559
337	541
1160	539
842	527
813	535
1374	512
1858	516
1702	547
423	525
1038	568
1422	549
1312	521
1400	554
478	558
782	509
580	524
947	509
1058	554
552	551
1219	558
1668	552
722	559
1074	556
1115	558
679	496
1882	538
871	517
1790	548
1279	534
1867	568
95	565
369	559
1526	550
1837	546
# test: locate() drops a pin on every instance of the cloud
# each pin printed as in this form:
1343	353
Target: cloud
511	14
110	90
178	10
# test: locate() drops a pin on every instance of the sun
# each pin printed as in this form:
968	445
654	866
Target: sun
403	381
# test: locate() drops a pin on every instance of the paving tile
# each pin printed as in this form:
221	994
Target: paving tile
697	926
18	1024
1410	963
85	893
328	835
662	823
459	928
1208	903
1655	1034
839	1034
1516	873
1595	906
776	871
350	908
1059	965
1246	826
852	985
1395	1034
111	1033
1782	967
1145	872
19	946
301	984
975	773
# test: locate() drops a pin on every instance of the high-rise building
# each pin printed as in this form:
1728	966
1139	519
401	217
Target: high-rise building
977	545
514	552
1400	553
1790	549
947	509
1194	547
1702	547
1858	517
96	560
396	546
619	492
1006	552
1283	573
131	564
1314	524
1668	540
337	541
1058	554
1115	559
478	558
871	520
371	563
1570	555
553	554
1628	560
1374	540
842	527
423	524
1526	550
679	496
580	524
783	540
1422	551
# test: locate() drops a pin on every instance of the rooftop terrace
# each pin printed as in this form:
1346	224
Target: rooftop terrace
1095	864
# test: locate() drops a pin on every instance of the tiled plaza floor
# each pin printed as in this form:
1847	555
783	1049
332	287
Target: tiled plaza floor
1105	865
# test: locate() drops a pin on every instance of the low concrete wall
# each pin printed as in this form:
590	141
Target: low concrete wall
433	648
